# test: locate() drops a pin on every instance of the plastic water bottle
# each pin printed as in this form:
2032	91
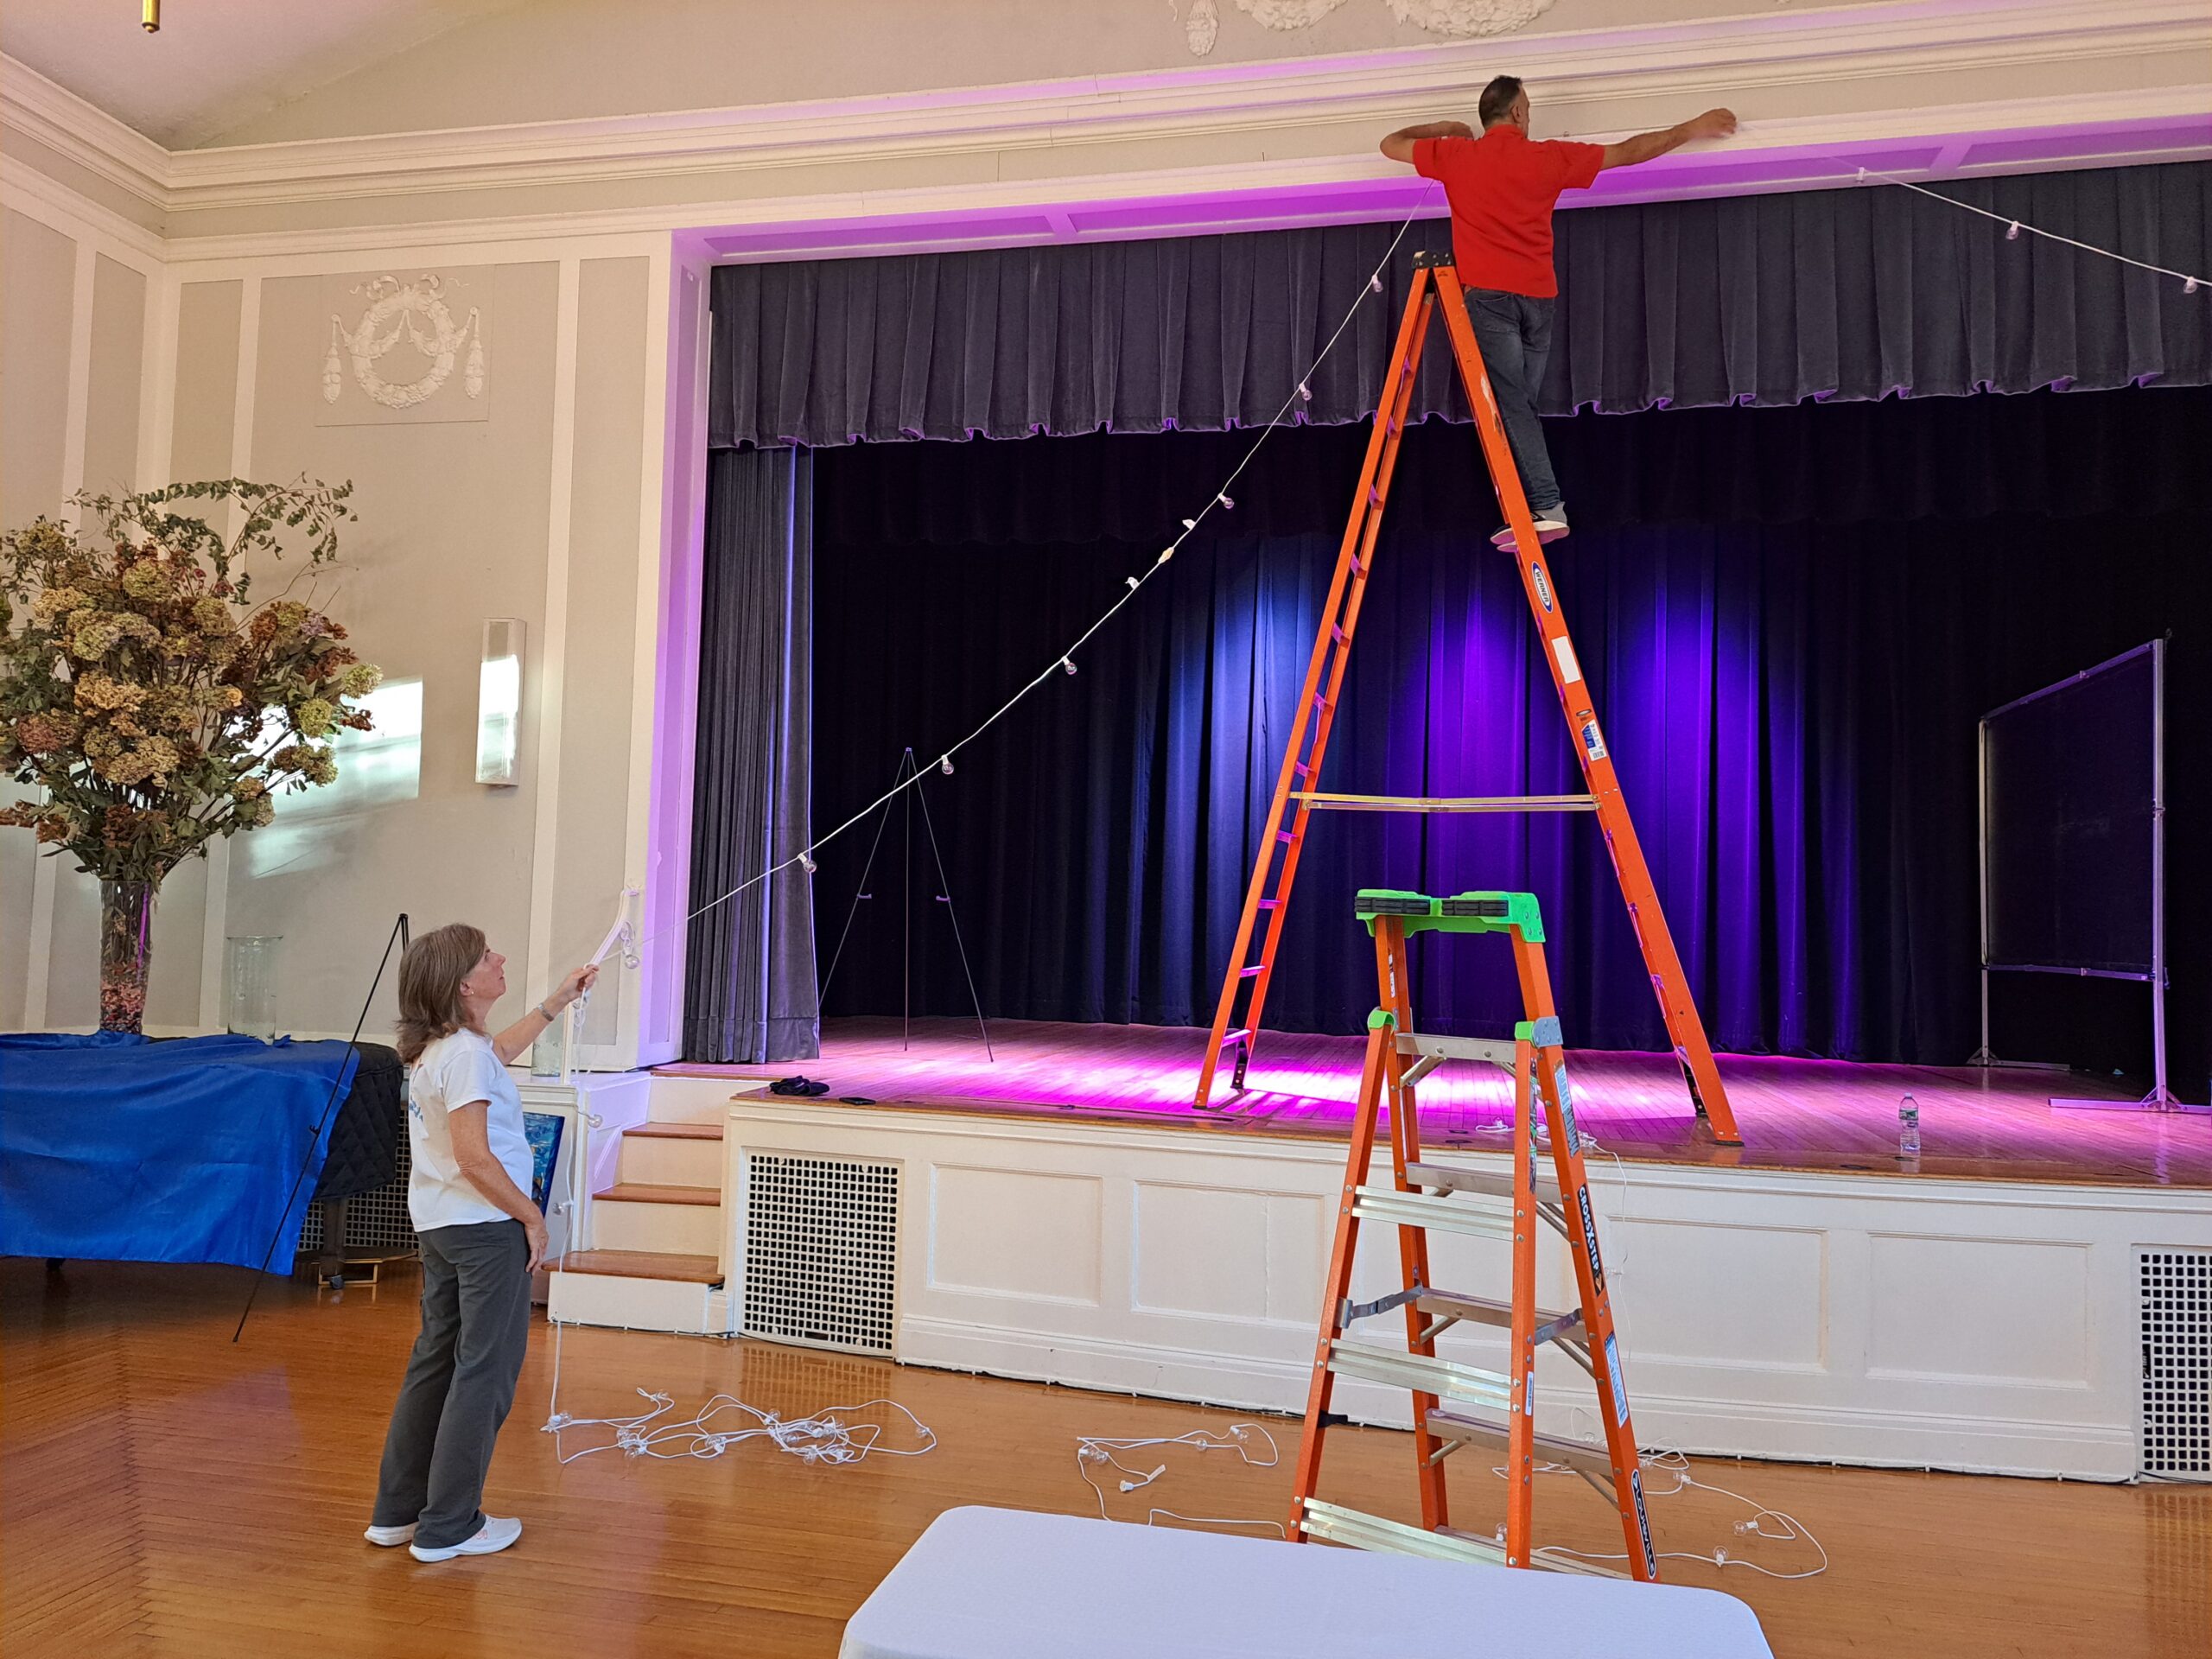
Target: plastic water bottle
1908	1128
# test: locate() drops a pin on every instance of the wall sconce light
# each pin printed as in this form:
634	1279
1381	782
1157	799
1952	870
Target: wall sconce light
149	16
499	704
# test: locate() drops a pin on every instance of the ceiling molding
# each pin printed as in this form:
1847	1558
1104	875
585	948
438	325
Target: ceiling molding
1807	153
83	133
1588	70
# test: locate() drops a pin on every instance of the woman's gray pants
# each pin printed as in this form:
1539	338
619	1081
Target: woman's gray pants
460	1380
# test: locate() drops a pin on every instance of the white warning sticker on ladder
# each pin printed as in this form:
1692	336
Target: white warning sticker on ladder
1563	648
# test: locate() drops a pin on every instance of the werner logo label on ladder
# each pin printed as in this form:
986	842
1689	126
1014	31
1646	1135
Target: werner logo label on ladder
1449	1396
1298	786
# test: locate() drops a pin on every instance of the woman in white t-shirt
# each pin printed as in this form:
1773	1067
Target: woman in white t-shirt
481	1238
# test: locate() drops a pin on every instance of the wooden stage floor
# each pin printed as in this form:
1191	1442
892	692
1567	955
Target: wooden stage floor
166	1493
1805	1114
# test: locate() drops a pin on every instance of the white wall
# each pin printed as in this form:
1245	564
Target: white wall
548	510
1979	1325
79	299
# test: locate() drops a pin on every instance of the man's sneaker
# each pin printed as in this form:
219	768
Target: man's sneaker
391	1537
1551	525
497	1532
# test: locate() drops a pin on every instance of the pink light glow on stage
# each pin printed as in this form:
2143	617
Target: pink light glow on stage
1803	1114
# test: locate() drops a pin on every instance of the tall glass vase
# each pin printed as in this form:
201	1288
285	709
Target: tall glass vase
126	952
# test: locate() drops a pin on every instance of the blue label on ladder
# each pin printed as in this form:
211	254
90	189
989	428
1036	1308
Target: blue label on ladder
1592	741
1543	587
1620	1382
1590	1243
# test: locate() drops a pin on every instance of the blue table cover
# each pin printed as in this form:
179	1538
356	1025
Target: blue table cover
117	1148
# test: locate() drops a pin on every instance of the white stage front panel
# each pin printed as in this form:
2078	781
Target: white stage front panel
1970	1325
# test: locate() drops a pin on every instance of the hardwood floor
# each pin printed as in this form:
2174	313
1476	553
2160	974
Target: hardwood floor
164	1493
1820	1115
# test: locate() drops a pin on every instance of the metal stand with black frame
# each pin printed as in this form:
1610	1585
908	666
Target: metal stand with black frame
2161	1098
909	768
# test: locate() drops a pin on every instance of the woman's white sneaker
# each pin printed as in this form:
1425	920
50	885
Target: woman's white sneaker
497	1532
391	1537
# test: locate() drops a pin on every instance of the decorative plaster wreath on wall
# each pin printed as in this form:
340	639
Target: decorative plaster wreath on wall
1462	18
418	312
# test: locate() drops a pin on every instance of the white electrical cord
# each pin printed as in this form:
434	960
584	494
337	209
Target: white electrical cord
1095	1453
833	1434
2013	227
1675	1463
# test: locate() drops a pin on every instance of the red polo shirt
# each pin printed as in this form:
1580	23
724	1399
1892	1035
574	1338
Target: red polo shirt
1502	188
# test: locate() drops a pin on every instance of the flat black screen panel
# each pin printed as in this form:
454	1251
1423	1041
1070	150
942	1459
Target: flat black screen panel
2070	784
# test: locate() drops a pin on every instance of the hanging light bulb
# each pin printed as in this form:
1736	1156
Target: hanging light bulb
1375	284
1068	662
806	863
1304	392
1226	503
1132	581
2189	284
944	765
2012	232
1166	554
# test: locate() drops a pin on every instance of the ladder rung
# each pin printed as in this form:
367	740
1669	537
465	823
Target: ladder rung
1254	971
1451	803
1301	768
1589	1461
1394	1367
1270	904
1490	1051
1285	834
1338	1525
1482	1183
1229	1037
1391	1206
1481	1310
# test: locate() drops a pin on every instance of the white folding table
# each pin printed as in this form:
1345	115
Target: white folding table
1008	1583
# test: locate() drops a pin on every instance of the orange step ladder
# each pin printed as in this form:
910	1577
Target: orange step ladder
1298	794
1424	1196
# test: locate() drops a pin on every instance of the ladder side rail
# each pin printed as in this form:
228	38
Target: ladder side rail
1521	1430
1685	1029
1396	992
1382	1043
1589	1266
1389	421
1410	330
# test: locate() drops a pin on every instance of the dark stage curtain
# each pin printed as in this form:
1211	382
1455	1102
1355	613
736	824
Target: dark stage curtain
1791	619
1852	294
749	985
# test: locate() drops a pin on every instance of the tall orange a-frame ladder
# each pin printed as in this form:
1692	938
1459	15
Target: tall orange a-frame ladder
1424	1198
1298	794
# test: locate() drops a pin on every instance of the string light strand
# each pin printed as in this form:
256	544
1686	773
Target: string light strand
2013	227
1061	662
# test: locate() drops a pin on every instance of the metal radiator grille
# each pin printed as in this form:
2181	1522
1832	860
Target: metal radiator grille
2176	1362
821	1250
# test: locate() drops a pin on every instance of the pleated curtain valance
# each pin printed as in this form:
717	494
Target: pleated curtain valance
1854	293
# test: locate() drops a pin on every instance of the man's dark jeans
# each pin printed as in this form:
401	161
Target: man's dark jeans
1516	335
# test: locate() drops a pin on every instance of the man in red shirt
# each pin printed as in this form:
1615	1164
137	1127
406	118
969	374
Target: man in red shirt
1500	187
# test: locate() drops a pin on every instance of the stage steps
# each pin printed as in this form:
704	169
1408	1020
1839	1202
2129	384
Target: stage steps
656	1260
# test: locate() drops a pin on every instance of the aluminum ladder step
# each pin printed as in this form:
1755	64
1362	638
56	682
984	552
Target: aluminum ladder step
1457	1429
1481	1183
1362	1531
1394	1367
1398	1209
